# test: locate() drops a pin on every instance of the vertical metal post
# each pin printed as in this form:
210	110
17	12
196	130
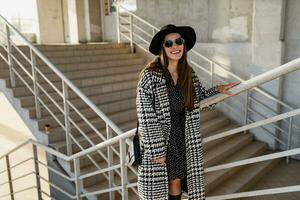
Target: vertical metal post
35	86
246	108
110	163
123	169
37	171
10	60
78	181
118	24
67	122
212	69
153	31
289	138
131	33
11	190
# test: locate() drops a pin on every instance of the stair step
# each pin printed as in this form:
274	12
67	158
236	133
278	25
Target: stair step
245	178
80	52
88	58
95	93
213	125
281	175
81	76
110	107
96	99
73	47
208	115
82	83
220	152
211	144
97	182
74	67
119	117
88	46
80	59
85	162
213	179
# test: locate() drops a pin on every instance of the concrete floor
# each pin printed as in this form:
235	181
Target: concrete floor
13	132
281	176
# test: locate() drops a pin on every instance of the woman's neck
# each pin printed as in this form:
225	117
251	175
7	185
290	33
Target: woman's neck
172	67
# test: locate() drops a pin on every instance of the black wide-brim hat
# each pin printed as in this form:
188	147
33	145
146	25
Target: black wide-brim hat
186	32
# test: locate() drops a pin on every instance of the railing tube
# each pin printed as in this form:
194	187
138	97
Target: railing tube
10	60
78	181
212	69
289	138
124	178
110	163
118	24
131	33
67	115
153	31
35	87
11	189
37	171
246	108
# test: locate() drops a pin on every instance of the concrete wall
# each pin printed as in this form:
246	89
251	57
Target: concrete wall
291	82
95	20
50	18
213	20
230	20
245	37
192	12
13	132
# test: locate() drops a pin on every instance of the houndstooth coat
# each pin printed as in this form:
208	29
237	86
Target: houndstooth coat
153	112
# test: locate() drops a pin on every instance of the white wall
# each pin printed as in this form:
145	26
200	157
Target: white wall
13	132
50	19
291	89
213	20
230	20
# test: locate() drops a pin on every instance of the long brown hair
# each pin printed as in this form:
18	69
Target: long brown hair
184	75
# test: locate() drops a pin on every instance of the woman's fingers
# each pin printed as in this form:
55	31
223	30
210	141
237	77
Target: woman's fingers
160	160
224	88
231	85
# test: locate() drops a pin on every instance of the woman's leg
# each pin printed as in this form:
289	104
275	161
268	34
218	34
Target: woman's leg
174	189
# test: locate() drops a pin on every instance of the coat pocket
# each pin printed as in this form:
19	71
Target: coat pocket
152	181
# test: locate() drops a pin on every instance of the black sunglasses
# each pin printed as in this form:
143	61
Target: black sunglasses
170	43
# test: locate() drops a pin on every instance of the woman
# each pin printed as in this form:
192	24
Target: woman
168	100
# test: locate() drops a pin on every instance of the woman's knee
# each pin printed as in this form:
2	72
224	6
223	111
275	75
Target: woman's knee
175	187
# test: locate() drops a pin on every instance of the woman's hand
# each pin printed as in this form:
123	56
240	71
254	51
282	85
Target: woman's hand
223	89
160	160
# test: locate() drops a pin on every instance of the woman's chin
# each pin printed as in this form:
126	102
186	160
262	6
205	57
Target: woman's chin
175	58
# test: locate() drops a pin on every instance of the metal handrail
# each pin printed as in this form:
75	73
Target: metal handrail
122	138
67	87
65	79
212	65
210	61
200	55
35	171
258	80
40	145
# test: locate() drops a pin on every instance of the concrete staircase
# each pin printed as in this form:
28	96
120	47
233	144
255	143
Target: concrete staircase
108	75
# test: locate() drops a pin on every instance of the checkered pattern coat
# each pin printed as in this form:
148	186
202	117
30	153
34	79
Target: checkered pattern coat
153	112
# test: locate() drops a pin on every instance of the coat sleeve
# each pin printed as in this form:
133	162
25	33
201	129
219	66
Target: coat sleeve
203	92
150	130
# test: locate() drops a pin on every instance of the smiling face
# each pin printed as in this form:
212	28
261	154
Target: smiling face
176	51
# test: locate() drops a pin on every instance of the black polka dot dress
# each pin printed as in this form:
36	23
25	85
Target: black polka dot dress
176	153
